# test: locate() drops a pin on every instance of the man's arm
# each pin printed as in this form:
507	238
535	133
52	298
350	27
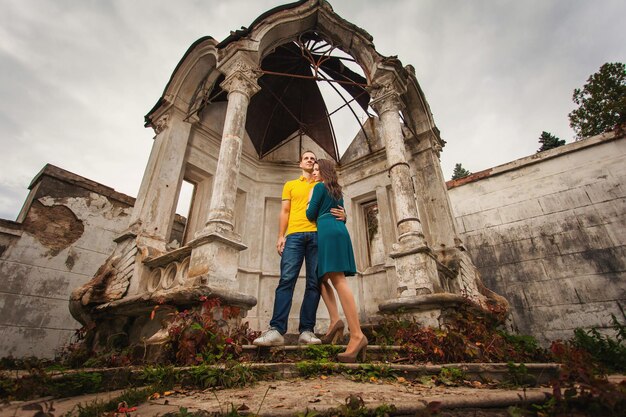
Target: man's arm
283	221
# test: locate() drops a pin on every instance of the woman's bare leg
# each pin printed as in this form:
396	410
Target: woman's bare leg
328	295
349	308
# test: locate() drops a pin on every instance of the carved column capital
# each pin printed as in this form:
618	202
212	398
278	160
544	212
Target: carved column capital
241	77
387	87
161	124
385	95
385	99
163	120
437	148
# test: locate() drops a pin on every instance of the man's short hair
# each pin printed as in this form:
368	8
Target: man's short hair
302	154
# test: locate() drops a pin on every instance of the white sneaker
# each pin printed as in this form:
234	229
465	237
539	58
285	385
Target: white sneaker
308	338
271	337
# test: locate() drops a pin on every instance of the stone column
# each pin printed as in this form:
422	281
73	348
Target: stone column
433	196
416	268
155	207
215	253
241	85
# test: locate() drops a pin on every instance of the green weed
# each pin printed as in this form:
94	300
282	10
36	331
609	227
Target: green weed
231	376
451	376
518	376
315	368
319	352
605	351
162	378
371	373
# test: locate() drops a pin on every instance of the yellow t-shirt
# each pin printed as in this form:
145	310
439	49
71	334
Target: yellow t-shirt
297	191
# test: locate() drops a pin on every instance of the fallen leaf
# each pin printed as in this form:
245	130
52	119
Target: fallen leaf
323	377
155	396
401	379
166	393
315	400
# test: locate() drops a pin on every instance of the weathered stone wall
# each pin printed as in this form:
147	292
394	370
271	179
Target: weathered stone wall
548	233
64	232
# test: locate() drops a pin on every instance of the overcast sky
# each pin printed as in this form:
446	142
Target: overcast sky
77	76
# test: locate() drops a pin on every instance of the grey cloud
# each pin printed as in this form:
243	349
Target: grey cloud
77	77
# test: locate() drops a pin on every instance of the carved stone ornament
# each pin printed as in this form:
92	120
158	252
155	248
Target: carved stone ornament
110	282
161	124
384	99
243	78
384	96
437	148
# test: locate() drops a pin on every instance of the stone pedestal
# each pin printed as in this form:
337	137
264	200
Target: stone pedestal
415	269
214	259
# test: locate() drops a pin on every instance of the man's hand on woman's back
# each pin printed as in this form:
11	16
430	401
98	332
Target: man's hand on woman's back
339	213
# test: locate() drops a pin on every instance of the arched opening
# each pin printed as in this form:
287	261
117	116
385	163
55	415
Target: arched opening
309	87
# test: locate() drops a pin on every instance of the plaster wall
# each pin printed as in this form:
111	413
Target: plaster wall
548	232
64	232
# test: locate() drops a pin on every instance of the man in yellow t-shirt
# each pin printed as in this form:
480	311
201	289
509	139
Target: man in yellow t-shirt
297	242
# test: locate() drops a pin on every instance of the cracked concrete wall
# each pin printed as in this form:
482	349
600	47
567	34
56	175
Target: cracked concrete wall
64	233
548	232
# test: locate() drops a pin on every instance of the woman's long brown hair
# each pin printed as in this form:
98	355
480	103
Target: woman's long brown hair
329	176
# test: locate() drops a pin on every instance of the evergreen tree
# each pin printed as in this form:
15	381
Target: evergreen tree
459	172
549	141
602	102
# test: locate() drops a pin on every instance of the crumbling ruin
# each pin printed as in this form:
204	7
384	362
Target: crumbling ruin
232	121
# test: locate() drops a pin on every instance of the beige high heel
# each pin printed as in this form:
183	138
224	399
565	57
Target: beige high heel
334	333
358	352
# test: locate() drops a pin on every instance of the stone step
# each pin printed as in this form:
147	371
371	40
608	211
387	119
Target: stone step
532	374
295	352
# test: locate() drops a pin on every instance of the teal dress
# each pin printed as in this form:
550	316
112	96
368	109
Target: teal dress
334	248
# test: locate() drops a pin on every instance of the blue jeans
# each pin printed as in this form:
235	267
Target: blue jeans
298	247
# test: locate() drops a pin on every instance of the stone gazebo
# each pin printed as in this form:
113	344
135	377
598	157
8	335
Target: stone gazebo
232	121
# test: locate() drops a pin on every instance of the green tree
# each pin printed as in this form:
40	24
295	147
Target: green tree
549	141
602	102
459	172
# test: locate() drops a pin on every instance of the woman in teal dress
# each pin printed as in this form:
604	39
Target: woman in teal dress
335	258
